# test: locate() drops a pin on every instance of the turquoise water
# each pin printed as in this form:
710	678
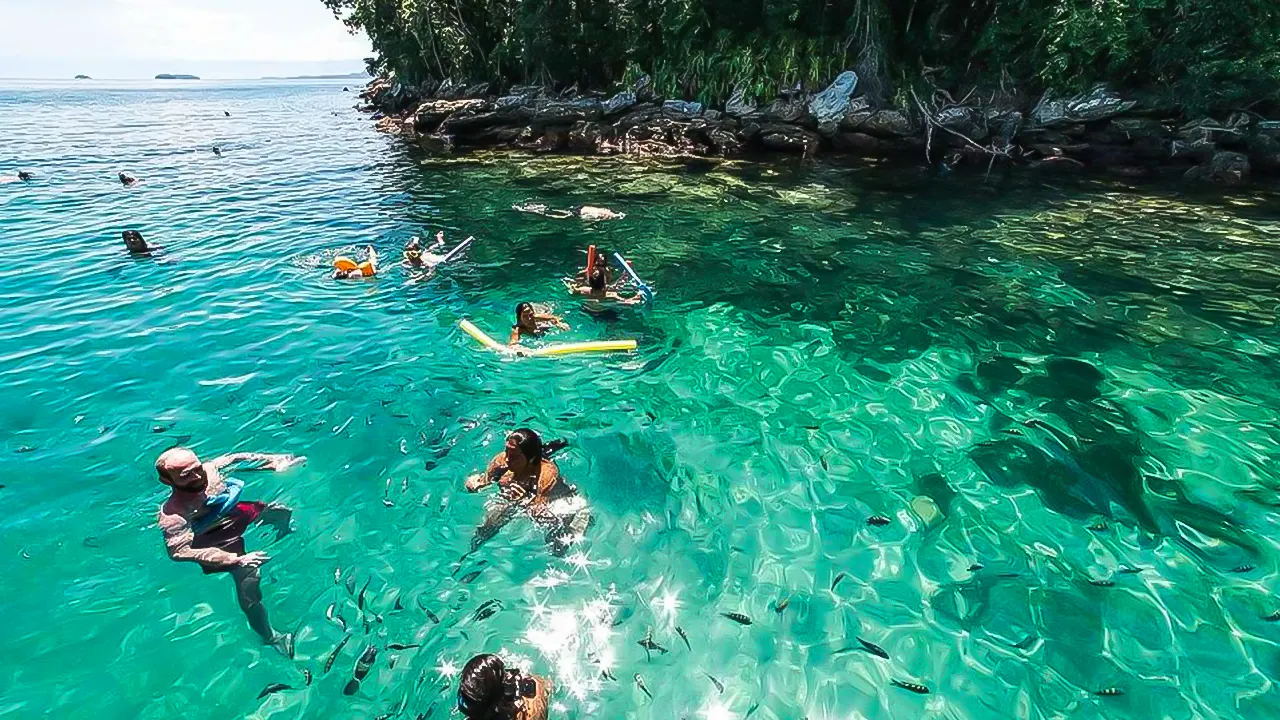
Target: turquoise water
1052	382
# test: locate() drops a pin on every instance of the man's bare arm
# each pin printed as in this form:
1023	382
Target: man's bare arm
275	461
177	540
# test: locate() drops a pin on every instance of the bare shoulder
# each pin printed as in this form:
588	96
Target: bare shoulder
172	519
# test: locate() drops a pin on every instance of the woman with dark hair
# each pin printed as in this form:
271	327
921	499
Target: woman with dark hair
529	480
487	690
531	322
597	288
136	244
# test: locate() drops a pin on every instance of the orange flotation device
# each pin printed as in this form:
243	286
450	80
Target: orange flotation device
346	264
591	259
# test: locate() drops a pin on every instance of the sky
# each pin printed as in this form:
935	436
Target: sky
122	39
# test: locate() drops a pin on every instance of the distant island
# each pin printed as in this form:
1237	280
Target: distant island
348	76
167	76
83	77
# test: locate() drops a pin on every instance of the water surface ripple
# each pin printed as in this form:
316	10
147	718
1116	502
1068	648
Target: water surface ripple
1061	399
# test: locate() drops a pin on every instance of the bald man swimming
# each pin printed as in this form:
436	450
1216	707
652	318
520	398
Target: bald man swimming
204	521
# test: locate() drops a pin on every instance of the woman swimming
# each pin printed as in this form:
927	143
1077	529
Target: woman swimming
597	288
529	480
531	322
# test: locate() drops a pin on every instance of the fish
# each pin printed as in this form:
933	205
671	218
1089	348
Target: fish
781	605
398	605
836	582
910	686
360	598
487	609
403	646
1129	570
1026	642
1273	617
752	710
1243	568
738	618
1109	692
90	542
432	615
273	688
1098	527
649	645
306	675
878	520
1103	583
608	675
640	684
717	683
685	638
470	577
873	648
335	618
823	460
352	687
351	584
365	662
328	664
391	663
25	449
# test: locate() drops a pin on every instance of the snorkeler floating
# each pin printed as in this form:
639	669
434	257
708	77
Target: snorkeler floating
134	241
487	689
25	176
217	151
529	480
128	180
590	213
204	521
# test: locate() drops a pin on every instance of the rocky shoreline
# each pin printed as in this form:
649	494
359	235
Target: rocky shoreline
1100	130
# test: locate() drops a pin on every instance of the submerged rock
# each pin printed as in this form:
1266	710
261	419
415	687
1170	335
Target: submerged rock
1224	168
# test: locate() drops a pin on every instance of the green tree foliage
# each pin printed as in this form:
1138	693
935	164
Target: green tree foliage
1206	52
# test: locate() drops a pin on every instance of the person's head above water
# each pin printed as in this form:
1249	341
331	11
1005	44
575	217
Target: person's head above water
482	687
597	280
526	317
524	446
134	241
180	469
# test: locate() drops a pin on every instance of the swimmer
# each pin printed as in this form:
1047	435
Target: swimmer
590	213
366	269
128	180
487	690
416	259
134	241
25	176
531	322
204	521
217	151
598	289
529	480
600	262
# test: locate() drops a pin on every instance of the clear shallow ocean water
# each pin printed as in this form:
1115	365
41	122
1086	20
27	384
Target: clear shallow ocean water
1055	382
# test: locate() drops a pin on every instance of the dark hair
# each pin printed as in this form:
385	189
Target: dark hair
532	447
481	687
597	279
520	308
133	240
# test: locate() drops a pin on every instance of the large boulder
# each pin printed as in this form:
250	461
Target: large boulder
681	110
829	106
1224	168
1133	128
1100	103
621	102
431	113
786	110
1207	130
585	137
549	113
739	105
964	120
789	139
887	124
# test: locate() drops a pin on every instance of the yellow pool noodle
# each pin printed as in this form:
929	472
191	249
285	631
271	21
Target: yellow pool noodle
550	350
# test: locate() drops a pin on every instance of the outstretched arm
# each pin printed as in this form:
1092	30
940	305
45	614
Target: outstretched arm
479	481
275	461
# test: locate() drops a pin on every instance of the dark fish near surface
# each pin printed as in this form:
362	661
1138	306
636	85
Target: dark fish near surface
470	577
910	686
1103	583
1242	569
487	610
640	684
402	646
1109	692
365	662
335	618
873	648
432	615
878	520
781	605
328	664
352	687
738	618
273	688
398	606
1098	527
351	584
1129	570
836	582
306	675
649	646
752	710
1273	617
685	638
715	682
360	599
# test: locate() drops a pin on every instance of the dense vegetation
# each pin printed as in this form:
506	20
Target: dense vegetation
1206	53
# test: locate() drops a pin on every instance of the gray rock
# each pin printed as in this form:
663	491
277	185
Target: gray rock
432	113
477	90
621	102
643	89
964	120
786	110
1099	103
1264	152
861	144
1206	130
739	105
788	138
829	105
1225	168
681	109
888	123
1004	126
1140	127
566	112
528	91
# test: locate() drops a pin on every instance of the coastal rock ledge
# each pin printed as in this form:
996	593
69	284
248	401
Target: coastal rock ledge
1099	130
